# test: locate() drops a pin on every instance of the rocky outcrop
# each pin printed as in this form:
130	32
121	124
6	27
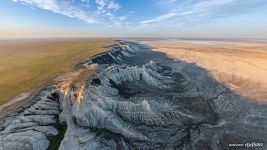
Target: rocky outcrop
149	107
115	55
156	105
31	126
135	108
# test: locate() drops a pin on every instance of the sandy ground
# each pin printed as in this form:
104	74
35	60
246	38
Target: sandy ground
29	65
76	78
240	65
26	64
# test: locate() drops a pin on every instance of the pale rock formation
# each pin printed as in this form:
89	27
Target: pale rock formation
116	54
158	105
30	126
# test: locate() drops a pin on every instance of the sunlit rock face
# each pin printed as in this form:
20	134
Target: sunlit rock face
117	53
30	126
163	105
129	107
132	103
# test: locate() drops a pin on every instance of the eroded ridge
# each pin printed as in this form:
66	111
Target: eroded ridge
163	105
31	126
34	125
157	105
131	107
116	54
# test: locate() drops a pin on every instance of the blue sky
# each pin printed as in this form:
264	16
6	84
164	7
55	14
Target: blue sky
137	18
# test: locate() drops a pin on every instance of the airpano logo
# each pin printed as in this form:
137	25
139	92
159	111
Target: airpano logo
251	144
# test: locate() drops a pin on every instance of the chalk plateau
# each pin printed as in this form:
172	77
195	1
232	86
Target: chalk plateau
134	98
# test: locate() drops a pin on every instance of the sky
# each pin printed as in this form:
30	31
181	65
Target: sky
134	18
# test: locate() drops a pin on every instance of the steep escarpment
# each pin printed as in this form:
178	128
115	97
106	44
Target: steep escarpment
159	104
37	124
31	126
115	55
135	108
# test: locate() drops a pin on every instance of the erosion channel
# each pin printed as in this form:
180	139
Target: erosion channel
132	97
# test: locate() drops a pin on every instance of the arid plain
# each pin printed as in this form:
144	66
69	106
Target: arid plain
239	64
28	65
164	94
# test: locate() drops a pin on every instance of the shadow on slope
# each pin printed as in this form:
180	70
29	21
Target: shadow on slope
148	101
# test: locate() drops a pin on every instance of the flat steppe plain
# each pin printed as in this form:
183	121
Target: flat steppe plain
239	64
28	65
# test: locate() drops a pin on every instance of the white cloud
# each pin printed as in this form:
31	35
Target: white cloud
113	6
107	5
104	13
166	17
85	1
61	7
107	12
108	8
189	11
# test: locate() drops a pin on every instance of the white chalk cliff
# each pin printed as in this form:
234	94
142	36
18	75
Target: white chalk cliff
159	104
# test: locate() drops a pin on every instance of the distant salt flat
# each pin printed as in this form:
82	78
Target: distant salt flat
175	41
239	64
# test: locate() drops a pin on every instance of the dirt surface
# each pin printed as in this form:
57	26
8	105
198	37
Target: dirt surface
133	97
29	65
241	65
